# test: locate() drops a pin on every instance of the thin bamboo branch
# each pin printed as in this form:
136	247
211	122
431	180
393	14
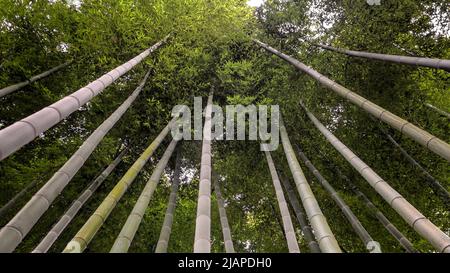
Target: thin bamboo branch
416	61
12	88
441	112
164	236
11	203
288	228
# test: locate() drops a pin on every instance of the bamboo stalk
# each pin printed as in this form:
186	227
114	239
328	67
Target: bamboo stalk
13	233
166	229
17	135
14	200
228	242
129	229
433	143
288	228
87	232
416	61
409	213
12	88
441	112
351	217
304	225
325	238
202	242
430	180
68	216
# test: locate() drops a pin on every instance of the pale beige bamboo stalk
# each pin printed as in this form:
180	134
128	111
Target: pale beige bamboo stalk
289	231
409	213
87	232
164	236
129	229
13	233
228	242
202	243
324	235
424	138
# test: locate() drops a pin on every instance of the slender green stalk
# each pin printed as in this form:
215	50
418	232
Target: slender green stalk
68	216
87	232
433	143
228	242
12	88
409	213
417	61
301	218
202	242
325	238
13	233
166	229
351	217
129	229
288	228
430	180
441	112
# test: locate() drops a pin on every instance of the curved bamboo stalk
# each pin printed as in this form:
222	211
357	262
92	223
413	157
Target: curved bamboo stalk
288	228
13	201
304	225
17	135
325	238
404	242
12	88
351	217
27	217
129	229
424	138
416	61
442	112
430	180
164	236
409	213
202	243
68	216
87	232
228	242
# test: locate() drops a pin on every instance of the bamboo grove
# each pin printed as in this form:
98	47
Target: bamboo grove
89	162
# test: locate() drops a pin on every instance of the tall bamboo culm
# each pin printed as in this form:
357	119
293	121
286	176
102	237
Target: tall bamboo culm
17	135
424	138
164	236
202	243
68	216
289	231
13	233
351	217
410	214
403	241
417	61
226	231
94	223
301	218
13	88
129	229
325	237
437	110
430	180
11	203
